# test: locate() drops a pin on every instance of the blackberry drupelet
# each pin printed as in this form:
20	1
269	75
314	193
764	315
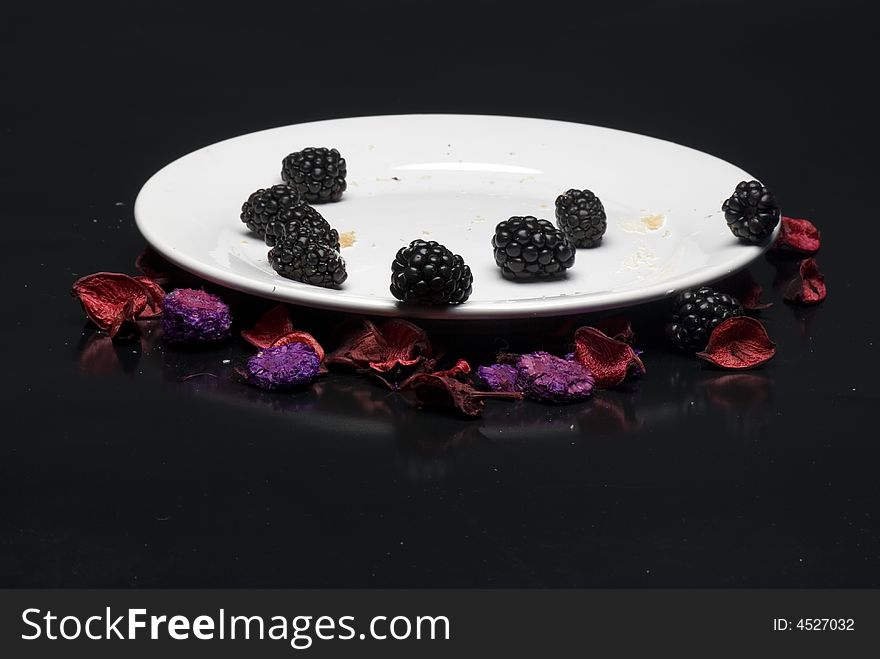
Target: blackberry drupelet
301	219
529	248
427	273
581	217
696	313
751	212
312	263
317	173
265	205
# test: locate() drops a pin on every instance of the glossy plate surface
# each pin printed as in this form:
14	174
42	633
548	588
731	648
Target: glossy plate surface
452	178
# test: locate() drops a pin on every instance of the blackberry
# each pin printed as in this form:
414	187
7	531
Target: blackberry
696	313
427	273
265	205
301	219
751	212
581	217
529	248
310	262
317	173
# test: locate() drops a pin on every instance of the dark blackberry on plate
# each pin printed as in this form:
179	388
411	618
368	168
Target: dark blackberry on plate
581	217
300	217
427	273
308	262
696	313
528	248
265	205
751	212
317	173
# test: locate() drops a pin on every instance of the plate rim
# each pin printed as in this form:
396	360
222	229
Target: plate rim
315	297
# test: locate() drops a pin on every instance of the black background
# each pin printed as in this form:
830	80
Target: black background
115	473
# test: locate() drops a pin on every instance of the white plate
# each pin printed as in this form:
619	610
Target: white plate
451	178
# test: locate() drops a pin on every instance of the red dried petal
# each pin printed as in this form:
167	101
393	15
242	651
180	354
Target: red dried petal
809	286
300	337
616	327
611	361
156	296
447	393
270	327
737	343
359	347
393	345
405	345
111	298
459	371
798	235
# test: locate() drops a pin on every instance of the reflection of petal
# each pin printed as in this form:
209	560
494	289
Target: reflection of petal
610	414
738	391
101	355
98	356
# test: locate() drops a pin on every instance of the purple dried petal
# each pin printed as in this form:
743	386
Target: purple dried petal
194	316
283	367
545	377
497	377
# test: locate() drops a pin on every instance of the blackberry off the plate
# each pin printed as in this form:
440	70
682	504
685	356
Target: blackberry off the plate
695	313
528	248
427	273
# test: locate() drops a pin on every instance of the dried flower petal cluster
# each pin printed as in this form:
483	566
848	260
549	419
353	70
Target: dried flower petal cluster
798	235
399	353
194	316
393	346
283	367
738	343
544	377
497	377
112	298
808	287
610	361
275	328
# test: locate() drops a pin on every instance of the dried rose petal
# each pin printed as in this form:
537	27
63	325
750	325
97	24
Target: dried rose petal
283	367
617	327
737	343
809	286
497	377
300	337
460	370
155	297
193	316
798	235
394	345
111	298
405	345
271	326
442	392
610	361
544	377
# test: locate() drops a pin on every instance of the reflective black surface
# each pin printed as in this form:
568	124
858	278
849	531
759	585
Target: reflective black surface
119	469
